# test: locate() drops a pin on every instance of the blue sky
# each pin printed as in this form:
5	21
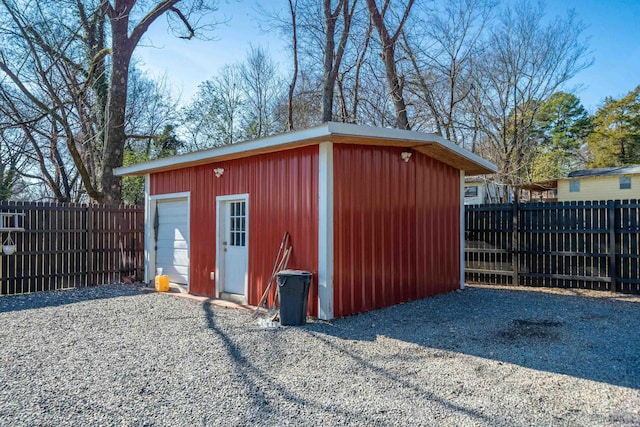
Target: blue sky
614	30
613	27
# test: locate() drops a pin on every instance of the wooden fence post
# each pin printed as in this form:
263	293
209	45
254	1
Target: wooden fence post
611	214
89	253
515	248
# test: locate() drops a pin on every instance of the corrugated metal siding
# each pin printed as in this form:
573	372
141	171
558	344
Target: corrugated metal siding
283	195
396	235
437	227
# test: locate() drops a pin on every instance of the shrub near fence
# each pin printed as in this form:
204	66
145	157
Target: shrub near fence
593	245
71	245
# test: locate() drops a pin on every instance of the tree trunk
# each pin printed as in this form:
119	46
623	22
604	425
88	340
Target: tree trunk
389	58
344	114
329	54
424	87
294	78
115	115
360	63
395	86
332	58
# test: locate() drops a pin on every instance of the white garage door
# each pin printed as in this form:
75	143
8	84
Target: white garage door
172	244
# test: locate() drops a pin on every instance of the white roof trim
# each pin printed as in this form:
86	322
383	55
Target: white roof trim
324	130
336	128
213	153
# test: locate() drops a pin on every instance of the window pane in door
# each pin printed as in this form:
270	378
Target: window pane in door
238	224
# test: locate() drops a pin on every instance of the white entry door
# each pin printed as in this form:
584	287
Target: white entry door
234	244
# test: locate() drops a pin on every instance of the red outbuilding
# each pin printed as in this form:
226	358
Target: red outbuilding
376	214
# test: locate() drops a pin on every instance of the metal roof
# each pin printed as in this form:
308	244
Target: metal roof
539	186
619	170
342	133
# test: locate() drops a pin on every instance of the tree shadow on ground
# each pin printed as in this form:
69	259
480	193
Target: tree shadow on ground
596	339
259	381
36	300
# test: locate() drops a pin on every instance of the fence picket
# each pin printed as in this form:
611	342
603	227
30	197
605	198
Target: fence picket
592	245
70	245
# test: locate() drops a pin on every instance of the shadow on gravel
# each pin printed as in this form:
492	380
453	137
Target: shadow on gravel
256	381
404	384
596	339
70	296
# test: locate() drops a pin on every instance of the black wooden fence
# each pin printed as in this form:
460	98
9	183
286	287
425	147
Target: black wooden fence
592	245
70	245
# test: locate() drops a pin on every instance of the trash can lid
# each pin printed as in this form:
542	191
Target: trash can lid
295	273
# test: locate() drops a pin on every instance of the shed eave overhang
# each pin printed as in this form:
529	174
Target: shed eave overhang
433	145
550	184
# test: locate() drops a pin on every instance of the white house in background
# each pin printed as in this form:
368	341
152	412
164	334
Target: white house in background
479	190
613	183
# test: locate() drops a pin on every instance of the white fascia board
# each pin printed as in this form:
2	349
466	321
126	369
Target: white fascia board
407	135
227	150
324	130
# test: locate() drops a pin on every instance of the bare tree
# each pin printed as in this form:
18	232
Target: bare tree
375	103
321	44
229	103
41	141
213	118
242	101
150	110
262	87
388	41
293	7
125	37
356	57
526	62
12	160
38	141
362	52
44	85
79	54
332	57
307	102
442	47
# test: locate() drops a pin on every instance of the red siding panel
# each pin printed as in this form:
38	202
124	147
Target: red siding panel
392	221
437	227
283	196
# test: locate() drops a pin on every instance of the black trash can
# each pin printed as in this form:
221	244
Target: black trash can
293	286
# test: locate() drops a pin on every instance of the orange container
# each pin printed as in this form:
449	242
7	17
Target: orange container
162	283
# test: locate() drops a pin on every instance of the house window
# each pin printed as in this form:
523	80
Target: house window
471	191
625	183
574	186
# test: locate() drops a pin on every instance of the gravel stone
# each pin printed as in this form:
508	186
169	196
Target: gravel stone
120	355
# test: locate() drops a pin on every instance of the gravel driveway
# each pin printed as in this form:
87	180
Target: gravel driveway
119	355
